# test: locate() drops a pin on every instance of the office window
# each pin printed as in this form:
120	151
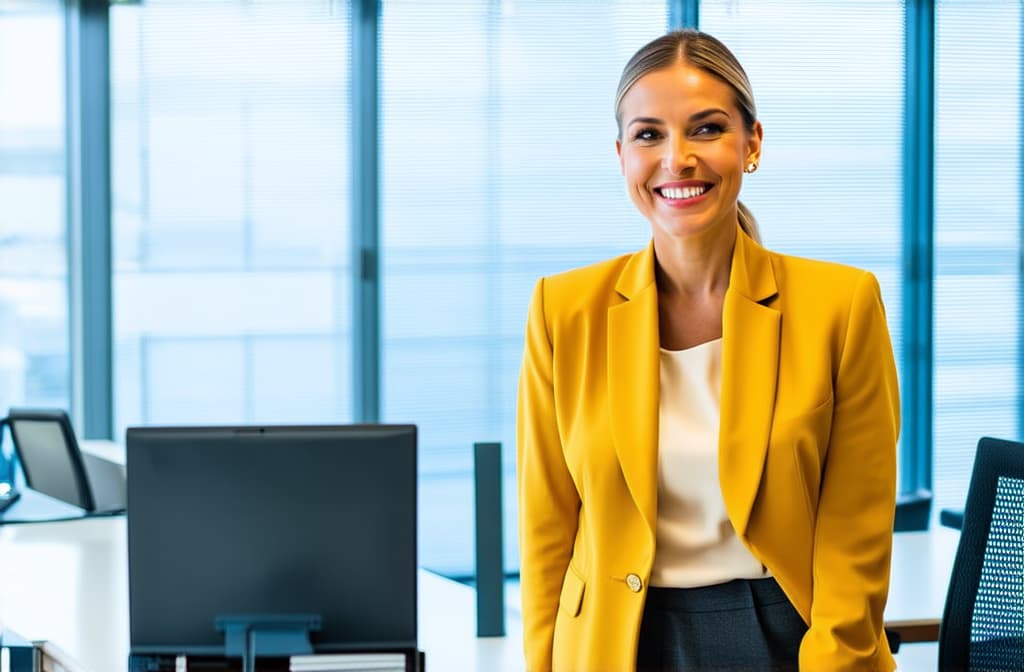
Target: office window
230	156
977	235
34	345
499	166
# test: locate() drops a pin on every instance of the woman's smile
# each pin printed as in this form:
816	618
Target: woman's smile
684	193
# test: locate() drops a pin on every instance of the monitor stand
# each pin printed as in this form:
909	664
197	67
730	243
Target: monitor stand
254	635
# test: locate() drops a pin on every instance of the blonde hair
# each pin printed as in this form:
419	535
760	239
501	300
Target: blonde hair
706	53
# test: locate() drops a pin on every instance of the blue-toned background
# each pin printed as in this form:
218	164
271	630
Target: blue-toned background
231	213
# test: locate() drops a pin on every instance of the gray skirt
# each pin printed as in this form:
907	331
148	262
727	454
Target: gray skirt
740	625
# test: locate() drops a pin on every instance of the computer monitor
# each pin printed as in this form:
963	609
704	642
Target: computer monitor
50	458
272	520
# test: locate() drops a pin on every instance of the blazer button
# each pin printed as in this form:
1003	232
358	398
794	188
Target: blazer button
634	582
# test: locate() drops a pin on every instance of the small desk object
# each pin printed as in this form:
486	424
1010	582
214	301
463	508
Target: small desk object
49	476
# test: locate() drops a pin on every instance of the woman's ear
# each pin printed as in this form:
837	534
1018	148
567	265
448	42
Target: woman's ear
754	143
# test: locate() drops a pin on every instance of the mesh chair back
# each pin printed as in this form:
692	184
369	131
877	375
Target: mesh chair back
983	622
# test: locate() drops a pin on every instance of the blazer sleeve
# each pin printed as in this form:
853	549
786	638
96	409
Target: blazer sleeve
854	528
548	500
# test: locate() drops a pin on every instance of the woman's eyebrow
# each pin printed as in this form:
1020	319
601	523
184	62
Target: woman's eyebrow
644	120
695	117
704	114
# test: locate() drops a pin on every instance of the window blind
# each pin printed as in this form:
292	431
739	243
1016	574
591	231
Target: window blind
230	178
977	235
34	333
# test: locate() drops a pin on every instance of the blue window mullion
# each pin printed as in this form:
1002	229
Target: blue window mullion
918	246
683	14
366	373
87	95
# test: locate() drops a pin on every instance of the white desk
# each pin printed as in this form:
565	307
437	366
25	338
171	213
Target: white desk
921	565
67	582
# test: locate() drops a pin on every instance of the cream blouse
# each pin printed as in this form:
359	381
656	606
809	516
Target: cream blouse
696	544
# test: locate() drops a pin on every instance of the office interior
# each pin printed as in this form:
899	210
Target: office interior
333	211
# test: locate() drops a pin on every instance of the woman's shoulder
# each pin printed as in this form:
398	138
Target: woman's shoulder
793	271
585	284
822	291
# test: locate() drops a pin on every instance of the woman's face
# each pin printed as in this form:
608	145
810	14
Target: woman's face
683	149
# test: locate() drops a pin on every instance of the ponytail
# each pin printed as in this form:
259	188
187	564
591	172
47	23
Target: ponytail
748	223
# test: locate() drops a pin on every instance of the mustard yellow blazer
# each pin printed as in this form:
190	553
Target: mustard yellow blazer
807	453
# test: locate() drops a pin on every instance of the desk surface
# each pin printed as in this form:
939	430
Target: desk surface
921	565
67	582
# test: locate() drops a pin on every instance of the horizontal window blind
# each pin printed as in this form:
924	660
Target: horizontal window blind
977	235
34	332
231	206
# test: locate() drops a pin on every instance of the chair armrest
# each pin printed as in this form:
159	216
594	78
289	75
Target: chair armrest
952	518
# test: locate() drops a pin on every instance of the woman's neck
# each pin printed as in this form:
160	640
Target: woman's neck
694	266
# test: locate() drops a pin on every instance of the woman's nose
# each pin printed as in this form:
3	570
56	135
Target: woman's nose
679	156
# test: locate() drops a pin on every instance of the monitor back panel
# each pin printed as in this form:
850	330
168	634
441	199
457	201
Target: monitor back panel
277	520
50	455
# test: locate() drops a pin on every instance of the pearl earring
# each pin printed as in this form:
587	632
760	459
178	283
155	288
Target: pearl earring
751	167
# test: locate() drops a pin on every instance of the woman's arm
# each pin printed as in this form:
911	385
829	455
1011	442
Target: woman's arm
548	500
853	534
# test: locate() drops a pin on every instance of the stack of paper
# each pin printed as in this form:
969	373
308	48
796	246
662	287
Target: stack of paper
55	660
349	662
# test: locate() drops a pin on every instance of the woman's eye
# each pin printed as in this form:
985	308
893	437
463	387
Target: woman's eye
706	130
646	134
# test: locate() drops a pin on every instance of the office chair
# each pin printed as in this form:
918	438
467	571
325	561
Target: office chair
983	621
45	445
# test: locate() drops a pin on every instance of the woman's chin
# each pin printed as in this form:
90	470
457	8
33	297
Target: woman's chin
684	227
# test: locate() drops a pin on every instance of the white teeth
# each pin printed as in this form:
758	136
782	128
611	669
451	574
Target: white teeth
682	192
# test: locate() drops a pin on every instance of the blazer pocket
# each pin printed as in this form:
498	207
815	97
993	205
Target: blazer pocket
571	598
805	438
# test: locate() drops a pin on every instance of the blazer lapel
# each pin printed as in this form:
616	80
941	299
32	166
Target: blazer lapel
633	381
750	361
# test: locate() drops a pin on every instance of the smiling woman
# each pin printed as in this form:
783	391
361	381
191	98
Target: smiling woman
680	405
